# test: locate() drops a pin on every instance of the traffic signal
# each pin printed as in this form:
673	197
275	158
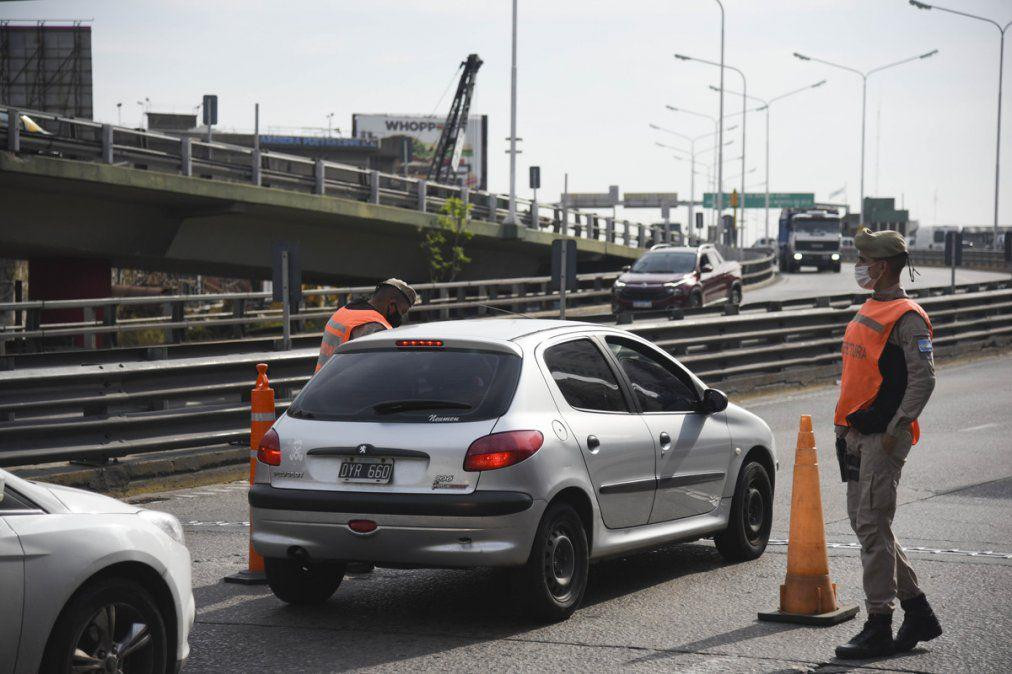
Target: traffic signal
734	199
953	248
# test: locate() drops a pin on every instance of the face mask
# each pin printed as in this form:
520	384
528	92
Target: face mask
393	316
863	276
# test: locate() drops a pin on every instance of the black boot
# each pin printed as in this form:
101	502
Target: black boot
874	640
919	624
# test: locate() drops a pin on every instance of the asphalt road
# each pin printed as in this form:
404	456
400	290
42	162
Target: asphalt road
680	607
809	282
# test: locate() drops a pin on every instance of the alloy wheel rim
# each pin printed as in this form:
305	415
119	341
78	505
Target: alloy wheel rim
755	514
114	634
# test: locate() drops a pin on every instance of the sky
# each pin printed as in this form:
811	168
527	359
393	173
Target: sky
592	76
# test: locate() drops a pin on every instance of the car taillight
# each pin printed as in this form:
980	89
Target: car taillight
269	451
499	450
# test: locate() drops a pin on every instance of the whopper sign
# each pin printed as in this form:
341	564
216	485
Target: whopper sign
425	131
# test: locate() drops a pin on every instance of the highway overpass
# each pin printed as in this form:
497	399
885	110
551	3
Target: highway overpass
143	200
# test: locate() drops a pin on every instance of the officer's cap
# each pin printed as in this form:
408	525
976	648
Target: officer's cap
409	293
878	245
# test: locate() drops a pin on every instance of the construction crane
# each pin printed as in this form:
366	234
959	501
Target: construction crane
446	158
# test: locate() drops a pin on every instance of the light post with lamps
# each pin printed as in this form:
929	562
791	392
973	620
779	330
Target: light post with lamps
692	154
1001	64
864	98
717	142
766	107
744	97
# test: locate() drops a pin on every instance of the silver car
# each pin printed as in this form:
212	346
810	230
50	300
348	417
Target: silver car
534	444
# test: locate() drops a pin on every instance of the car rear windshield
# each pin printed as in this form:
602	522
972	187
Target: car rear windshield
417	385
666	263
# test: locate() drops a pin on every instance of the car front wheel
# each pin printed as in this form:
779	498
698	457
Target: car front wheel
734	295
298	582
555	577
748	527
112	625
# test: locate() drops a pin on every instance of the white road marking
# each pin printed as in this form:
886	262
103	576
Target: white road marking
981	427
915	548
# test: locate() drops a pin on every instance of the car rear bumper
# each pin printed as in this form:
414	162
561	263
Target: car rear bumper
660	302
490	528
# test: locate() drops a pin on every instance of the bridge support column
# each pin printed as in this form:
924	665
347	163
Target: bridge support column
54	278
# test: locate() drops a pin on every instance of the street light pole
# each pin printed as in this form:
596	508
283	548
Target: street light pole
512	217
766	107
692	154
1001	69
864	95
744	84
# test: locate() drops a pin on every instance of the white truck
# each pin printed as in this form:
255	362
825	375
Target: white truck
809	237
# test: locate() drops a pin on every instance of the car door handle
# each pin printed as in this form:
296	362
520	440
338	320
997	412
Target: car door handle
593	443
665	441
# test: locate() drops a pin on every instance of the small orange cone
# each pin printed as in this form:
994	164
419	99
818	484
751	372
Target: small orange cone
808	596
262	417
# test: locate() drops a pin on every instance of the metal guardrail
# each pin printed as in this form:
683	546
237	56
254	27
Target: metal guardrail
181	316
972	259
94	412
86	140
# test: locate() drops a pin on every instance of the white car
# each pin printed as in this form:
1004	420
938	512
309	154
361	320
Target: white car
532	444
89	583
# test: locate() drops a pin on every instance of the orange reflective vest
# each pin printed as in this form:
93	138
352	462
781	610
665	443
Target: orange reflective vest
863	343
339	327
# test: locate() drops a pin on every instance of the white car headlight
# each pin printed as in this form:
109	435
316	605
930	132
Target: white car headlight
166	522
797	256
835	256
619	284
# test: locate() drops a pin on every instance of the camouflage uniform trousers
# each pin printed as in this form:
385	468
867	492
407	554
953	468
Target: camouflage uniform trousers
871	505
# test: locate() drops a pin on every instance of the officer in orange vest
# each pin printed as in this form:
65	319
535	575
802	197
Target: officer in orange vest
888	376
386	309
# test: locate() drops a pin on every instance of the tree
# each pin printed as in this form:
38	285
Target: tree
444	243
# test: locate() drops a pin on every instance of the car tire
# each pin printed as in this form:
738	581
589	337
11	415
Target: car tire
297	582
748	526
695	299
81	635
734	295
836	268
554	579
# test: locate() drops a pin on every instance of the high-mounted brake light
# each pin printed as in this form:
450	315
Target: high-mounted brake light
419	343
499	450
269	451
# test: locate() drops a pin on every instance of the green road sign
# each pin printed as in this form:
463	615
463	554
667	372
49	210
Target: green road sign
777	200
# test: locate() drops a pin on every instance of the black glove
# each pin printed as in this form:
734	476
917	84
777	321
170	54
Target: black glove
841	456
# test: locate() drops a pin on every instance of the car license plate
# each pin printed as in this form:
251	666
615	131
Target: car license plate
642	304
366	469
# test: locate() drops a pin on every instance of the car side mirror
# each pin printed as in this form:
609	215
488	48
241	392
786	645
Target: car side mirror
714	401
627	267
706	269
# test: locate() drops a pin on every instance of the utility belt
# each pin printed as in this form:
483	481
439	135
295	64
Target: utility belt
850	464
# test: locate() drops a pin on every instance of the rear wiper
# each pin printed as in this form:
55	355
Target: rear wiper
394	406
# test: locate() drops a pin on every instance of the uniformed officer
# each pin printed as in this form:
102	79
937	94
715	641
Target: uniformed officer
888	376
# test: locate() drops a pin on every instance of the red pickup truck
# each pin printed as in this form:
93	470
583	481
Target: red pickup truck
669	277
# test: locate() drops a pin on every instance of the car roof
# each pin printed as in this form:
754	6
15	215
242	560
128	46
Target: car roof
484	329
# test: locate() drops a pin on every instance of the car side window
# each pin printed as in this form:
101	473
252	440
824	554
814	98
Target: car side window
715	257
656	386
13	501
583	376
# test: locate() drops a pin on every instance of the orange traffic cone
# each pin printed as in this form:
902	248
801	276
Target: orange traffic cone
808	596
262	416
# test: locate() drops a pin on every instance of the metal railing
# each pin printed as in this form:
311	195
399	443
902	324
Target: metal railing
972	259
86	140
94	412
185	318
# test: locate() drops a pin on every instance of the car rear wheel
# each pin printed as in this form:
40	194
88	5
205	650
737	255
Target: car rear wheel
748	527
554	579
112	625
734	295
298	582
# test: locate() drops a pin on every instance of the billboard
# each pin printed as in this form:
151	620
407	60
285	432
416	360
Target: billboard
46	67
424	130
